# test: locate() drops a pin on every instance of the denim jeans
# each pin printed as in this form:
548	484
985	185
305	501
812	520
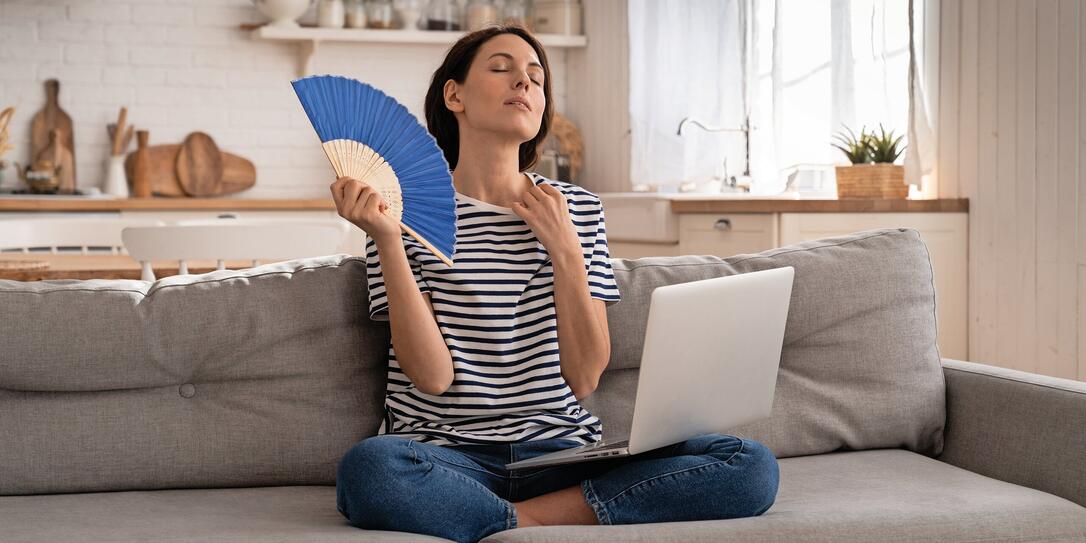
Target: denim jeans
464	492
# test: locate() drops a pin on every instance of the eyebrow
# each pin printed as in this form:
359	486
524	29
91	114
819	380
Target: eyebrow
510	57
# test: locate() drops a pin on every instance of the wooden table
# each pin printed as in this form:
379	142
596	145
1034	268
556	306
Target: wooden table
101	266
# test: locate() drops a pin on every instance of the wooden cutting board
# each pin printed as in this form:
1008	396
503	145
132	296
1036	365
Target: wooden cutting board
238	173
50	118
199	165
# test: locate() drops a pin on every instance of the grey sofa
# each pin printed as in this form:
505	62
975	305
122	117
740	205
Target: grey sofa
216	407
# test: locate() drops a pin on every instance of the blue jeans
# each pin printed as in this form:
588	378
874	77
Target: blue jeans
464	492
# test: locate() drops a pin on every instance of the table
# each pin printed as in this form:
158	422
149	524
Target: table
100	266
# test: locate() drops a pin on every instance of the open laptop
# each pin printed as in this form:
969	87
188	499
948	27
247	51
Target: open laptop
709	364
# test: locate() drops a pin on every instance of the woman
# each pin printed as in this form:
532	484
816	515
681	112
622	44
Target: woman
475	379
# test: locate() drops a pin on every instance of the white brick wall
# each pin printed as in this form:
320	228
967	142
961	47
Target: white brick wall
182	66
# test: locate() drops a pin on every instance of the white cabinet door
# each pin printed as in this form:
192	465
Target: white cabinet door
726	234
947	238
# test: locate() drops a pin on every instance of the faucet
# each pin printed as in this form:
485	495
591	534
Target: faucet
729	182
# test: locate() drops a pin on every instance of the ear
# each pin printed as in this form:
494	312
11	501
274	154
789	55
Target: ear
452	98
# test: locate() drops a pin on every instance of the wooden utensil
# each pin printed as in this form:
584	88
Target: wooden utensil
118	132
141	169
199	165
59	156
238	173
126	140
52	117
5	118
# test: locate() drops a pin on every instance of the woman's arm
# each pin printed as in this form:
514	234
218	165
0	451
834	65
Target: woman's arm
421	351
584	342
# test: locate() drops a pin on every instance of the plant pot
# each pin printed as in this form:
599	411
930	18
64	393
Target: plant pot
872	181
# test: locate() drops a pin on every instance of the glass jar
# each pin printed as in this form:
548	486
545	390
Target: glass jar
557	17
409	13
481	13
517	12
330	14
355	14
443	15
379	14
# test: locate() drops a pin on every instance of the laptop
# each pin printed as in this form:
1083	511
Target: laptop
709	364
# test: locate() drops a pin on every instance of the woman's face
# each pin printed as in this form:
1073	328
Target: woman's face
503	91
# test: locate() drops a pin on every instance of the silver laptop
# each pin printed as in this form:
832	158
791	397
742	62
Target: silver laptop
712	349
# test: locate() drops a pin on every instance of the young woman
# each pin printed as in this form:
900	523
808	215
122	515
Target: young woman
489	359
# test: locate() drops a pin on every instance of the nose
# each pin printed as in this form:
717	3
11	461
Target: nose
522	80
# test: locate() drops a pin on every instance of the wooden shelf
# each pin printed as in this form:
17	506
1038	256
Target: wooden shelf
310	37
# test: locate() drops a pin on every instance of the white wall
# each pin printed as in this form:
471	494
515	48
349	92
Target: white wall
184	65
1012	138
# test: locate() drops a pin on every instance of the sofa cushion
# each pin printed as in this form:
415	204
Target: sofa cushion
860	368
263	376
878	495
235	515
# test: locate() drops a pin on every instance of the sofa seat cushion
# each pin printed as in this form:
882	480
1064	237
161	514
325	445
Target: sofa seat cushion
876	495
260	514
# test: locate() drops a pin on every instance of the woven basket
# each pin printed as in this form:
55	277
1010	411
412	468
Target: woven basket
872	181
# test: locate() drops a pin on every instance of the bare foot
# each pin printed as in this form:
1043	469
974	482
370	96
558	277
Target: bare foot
566	506
523	519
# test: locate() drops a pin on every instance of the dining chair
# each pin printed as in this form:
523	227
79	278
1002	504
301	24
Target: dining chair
232	239
67	235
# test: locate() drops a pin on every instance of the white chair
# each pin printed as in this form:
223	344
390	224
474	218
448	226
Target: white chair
79	234
232	239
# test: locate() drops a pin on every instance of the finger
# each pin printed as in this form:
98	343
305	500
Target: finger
530	197
351	191
336	188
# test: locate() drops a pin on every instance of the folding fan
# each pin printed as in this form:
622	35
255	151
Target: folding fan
369	136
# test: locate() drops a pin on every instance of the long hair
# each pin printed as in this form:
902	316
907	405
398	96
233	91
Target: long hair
442	123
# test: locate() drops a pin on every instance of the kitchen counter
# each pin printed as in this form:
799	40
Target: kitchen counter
709	204
70	203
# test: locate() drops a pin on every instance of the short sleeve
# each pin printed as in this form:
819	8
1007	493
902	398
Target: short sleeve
375	281
601	278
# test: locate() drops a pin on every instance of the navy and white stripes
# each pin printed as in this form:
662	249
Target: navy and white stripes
495	309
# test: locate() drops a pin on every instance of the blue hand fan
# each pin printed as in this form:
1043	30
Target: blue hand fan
369	136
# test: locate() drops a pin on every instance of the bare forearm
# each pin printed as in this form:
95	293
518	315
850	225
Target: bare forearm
420	349
583	346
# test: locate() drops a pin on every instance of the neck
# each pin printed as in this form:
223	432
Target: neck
488	169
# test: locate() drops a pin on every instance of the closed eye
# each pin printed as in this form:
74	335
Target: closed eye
533	80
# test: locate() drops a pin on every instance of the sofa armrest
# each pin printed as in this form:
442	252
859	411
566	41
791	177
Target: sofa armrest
1019	427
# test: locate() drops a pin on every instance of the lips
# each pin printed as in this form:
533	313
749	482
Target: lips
518	102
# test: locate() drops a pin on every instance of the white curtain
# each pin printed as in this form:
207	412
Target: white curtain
685	60
814	66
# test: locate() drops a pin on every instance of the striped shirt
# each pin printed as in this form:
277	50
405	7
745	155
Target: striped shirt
495	309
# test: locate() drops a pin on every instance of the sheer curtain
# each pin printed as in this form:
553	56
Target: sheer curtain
808	68
685	60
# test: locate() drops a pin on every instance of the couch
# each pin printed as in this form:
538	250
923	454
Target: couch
216	407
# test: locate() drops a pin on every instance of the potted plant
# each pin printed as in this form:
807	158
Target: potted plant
872	173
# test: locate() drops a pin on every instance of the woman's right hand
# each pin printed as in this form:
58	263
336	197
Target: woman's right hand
363	206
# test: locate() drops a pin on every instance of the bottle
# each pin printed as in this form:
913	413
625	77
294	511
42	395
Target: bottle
330	14
443	15
481	13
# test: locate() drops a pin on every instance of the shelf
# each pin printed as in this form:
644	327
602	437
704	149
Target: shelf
310	37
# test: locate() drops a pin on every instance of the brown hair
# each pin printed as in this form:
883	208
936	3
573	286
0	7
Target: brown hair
442	123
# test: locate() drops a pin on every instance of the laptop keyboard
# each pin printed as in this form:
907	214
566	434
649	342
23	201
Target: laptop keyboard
601	446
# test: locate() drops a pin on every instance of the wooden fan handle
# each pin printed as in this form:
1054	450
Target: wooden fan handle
426	244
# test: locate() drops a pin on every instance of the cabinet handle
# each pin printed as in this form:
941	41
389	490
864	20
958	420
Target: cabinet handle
723	225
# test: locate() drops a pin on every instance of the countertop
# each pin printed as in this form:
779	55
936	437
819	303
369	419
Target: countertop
76	203
688	203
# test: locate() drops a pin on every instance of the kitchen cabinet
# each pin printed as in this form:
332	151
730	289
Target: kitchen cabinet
726	234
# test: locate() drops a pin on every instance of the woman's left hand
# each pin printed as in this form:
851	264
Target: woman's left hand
544	208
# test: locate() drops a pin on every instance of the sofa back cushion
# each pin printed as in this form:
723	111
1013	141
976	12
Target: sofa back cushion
860	368
264	376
